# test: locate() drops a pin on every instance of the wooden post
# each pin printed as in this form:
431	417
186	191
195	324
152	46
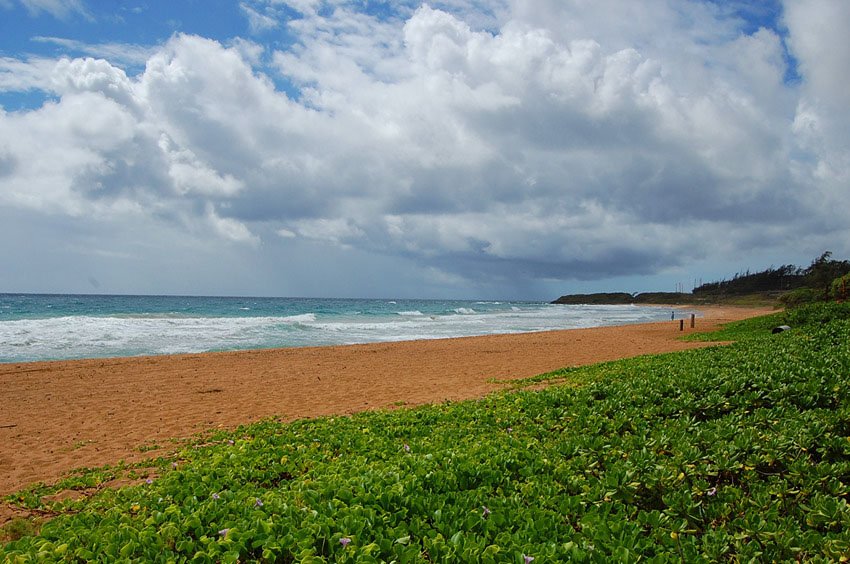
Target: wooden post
681	325
693	320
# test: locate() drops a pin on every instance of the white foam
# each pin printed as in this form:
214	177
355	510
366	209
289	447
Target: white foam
76	337
303	318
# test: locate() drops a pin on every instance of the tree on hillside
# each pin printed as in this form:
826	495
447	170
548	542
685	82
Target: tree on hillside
783	278
823	271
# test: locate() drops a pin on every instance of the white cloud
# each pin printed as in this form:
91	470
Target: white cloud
191	176
57	8
230	228
251	53
57	145
74	76
338	230
18	75
485	140
816	37
258	22
817	31
116	53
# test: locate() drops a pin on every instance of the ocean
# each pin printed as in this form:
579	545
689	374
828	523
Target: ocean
37	327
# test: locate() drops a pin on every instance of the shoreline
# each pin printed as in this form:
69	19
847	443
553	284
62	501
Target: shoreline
65	414
105	336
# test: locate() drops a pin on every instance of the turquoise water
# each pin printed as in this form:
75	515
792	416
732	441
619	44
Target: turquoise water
50	327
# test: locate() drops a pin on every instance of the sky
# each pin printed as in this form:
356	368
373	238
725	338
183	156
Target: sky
498	149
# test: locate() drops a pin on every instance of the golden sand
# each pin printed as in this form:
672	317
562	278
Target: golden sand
56	416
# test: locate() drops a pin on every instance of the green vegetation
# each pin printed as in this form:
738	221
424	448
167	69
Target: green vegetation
840	289
784	278
733	453
788	284
742	332
823	271
18	528
613	298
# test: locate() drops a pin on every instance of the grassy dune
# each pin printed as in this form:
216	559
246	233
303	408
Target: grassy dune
728	453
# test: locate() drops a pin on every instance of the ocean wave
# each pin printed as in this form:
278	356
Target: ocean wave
93	336
81	336
302	318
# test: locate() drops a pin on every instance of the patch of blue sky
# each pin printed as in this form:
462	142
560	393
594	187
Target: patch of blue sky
149	23
756	15
792	73
753	15
17	27
387	11
24	101
285	85
154	22
126	32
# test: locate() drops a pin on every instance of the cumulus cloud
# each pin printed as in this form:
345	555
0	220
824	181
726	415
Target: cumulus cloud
481	140
821	121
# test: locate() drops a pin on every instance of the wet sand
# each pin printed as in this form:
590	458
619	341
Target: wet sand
57	416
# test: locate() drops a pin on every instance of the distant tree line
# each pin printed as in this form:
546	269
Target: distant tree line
784	278
825	278
817	277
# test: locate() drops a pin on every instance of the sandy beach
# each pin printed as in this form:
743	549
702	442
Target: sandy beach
57	416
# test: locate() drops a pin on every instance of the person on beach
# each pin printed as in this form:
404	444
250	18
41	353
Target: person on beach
672	315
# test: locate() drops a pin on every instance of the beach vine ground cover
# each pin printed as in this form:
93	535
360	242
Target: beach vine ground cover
733	453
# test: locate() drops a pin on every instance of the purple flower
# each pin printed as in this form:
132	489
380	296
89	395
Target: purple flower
174	465
510	429
230	442
486	511
344	541
527	559
258	503
224	532
711	491
406	447
149	481
215	496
